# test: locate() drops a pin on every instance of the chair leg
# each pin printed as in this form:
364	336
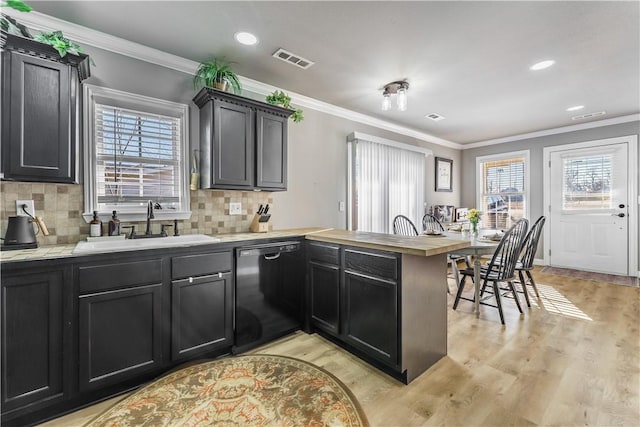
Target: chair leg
456	273
459	293
515	295
524	288
496	291
533	283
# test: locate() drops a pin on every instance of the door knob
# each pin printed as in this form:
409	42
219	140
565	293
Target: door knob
621	215
621	205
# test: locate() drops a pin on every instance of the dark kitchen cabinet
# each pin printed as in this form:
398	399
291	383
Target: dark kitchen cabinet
201	304
41	114
35	340
120	322
271	151
370	304
243	142
324	286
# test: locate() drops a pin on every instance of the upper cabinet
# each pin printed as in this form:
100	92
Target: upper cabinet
40	111
243	142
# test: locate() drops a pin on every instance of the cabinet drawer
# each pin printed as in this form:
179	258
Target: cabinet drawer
322	252
199	265
370	263
119	275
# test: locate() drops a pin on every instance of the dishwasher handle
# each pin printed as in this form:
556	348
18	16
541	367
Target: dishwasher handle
272	257
269	249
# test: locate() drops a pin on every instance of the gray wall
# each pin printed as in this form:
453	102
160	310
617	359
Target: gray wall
535	145
317	145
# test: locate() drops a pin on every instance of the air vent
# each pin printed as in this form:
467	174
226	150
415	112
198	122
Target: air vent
589	115
435	117
292	58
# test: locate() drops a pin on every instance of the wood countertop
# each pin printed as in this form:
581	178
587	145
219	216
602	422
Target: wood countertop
418	245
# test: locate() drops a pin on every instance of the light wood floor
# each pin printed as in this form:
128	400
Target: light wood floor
572	359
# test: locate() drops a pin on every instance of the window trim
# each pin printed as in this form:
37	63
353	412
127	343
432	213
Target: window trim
506	156
93	94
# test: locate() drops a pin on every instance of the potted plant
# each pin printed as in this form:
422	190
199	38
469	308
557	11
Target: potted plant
280	98
9	24
216	73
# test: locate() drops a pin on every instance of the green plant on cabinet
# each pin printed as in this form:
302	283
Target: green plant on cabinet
280	98
216	73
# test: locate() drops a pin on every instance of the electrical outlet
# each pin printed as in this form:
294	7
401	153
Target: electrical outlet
341	206
30	208
235	208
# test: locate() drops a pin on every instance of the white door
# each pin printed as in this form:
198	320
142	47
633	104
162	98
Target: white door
588	209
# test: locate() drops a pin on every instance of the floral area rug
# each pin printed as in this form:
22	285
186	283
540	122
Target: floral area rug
252	390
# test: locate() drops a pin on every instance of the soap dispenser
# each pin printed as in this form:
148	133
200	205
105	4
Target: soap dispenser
95	226
114	225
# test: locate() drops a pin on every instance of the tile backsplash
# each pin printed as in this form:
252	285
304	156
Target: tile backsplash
61	206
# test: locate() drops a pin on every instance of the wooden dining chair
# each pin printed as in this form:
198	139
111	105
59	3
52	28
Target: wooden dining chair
404	226
501	268
430	222
525	263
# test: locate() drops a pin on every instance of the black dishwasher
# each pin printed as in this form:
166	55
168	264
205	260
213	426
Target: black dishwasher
269	292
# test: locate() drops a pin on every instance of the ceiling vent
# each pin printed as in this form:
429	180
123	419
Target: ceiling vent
292	58
588	115
435	117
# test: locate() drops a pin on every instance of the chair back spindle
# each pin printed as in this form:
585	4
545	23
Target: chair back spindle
431	223
503	262
404	226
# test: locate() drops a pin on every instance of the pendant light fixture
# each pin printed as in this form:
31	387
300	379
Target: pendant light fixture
398	88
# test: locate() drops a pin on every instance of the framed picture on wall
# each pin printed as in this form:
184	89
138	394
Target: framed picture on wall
461	214
443	213
443	174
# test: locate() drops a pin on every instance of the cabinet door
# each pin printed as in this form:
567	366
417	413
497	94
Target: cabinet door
38	120
201	314
33	331
324	293
271	151
370	320
120	335
233	150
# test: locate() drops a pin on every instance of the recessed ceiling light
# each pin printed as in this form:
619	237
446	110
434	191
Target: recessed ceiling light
542	65
246	38
575	108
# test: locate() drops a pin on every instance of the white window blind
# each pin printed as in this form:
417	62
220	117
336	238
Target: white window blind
587	183
387	181
136	151
137	156
503	189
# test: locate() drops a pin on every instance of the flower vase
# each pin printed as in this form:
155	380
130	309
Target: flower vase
474	228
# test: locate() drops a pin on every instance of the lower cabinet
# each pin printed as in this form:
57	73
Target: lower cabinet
201	309
120	335
324	286
354	296
35	332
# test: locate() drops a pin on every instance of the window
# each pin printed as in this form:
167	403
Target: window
503	189
136	152
386	179
586	182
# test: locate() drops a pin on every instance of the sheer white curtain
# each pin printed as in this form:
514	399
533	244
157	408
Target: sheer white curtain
387	181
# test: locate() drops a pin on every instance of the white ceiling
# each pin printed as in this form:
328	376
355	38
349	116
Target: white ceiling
467	61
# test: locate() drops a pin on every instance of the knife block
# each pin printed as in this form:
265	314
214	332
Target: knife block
257	226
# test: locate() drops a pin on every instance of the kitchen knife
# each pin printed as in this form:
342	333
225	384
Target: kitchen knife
266	209
260	210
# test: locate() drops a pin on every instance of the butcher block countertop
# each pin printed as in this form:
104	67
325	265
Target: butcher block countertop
413	245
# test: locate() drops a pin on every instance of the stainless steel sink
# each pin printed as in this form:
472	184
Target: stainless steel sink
137	244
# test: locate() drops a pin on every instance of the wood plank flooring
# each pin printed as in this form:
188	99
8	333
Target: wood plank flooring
573	358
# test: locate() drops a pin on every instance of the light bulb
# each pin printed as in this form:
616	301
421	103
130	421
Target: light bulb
402	99
386	102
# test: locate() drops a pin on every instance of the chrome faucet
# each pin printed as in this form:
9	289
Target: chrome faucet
149	217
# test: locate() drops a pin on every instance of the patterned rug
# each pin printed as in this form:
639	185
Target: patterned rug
588	275
252	390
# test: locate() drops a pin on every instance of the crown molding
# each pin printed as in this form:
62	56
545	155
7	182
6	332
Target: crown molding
87	36
555	131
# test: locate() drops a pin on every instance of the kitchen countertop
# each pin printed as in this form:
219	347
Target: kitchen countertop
419	245
65	251
414	245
